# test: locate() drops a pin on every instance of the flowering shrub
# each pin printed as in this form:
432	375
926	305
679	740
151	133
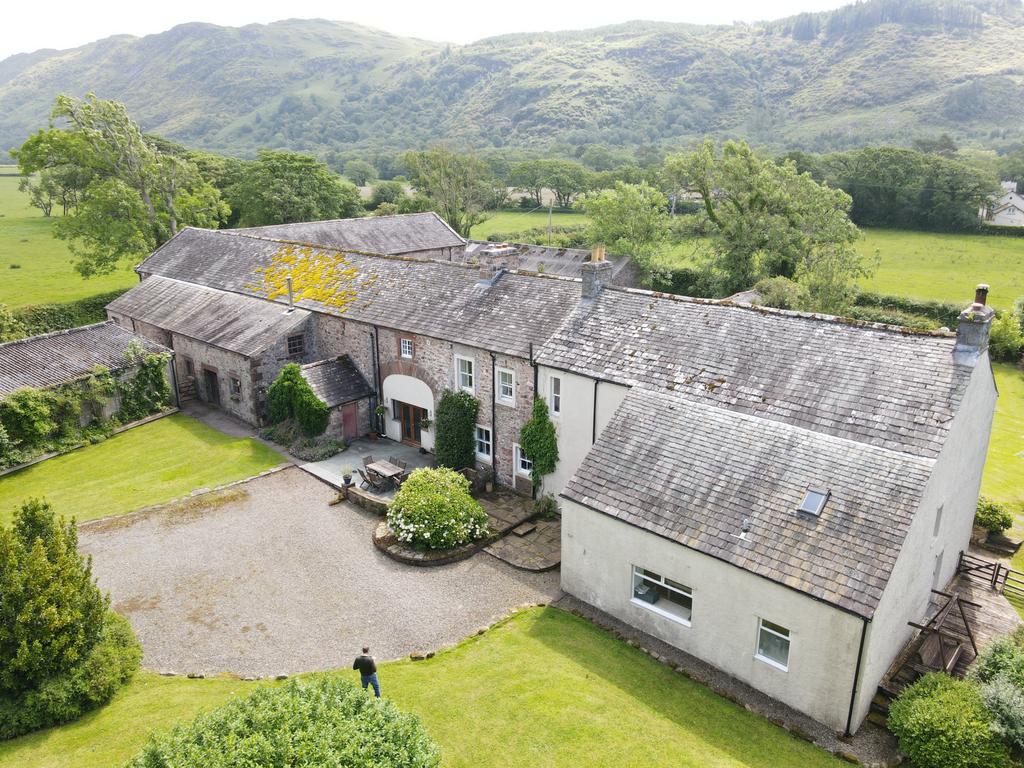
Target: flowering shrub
433	510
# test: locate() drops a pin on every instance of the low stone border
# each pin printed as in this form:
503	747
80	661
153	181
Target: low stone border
368	501
54	454
192	494
389	544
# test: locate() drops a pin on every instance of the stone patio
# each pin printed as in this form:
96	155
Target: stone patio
331	470
533	546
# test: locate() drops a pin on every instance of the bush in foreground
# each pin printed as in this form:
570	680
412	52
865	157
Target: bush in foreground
303	724
434	510
942	722
107	667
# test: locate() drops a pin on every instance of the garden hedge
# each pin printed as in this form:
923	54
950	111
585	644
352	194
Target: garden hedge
455	430
44	318
301	724
992	516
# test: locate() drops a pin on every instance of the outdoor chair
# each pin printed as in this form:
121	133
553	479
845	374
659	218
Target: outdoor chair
367	461
393	460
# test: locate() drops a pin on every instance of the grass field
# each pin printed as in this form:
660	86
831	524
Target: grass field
582	698
151	464
1004	467
45	273
921	265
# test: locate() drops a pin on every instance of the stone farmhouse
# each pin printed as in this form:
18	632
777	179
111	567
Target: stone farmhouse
774	492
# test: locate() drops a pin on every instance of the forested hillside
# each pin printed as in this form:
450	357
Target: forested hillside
883	71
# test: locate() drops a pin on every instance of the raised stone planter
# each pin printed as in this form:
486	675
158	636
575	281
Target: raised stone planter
378	505
389	544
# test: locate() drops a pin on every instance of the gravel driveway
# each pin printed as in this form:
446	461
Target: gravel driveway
267	579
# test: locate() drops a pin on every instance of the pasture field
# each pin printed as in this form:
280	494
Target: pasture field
485	708
921	265
44	273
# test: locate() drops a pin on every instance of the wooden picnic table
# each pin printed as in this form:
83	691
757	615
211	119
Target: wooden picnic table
385	469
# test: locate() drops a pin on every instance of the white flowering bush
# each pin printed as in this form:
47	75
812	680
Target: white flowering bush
433	510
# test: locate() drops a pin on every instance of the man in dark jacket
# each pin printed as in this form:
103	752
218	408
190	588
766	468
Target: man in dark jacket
367	670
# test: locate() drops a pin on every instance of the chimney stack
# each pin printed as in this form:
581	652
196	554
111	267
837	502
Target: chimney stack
596	274
493	261
291	296
972	329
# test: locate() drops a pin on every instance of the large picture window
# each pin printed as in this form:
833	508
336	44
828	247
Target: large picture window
662	595
773	644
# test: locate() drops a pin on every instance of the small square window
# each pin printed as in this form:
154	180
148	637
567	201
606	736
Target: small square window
773	644
406	348
483	443
464	374
296	345
506	386
190	367
814	502
524	466
556	396
236	387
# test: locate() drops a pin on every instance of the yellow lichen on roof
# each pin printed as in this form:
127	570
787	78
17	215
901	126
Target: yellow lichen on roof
326	277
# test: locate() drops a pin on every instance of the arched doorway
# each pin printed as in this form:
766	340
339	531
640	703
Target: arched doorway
408	400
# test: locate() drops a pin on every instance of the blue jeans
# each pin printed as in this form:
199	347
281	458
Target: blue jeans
371	680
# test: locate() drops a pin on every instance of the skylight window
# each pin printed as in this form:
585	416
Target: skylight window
814	502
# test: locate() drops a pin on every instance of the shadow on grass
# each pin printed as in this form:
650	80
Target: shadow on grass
726	727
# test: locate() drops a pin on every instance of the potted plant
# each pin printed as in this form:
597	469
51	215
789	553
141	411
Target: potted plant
425	423
380	412
346	475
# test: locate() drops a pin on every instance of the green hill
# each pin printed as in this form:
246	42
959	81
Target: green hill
878	71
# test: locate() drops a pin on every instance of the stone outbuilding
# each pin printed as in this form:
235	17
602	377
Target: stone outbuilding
339	384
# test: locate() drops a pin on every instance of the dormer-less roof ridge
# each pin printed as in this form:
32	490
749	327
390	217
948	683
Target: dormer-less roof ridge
817	316
51	334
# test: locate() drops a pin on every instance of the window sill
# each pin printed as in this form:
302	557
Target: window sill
506	402
483	459
661	612
771	662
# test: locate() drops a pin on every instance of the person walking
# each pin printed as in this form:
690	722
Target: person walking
367	670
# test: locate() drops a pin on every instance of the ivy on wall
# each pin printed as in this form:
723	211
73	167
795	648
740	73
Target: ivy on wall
455	430
538	441
291	397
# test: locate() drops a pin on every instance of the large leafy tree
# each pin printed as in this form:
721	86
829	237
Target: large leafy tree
459	186
51	611
766	219
564	178
129	194
630	219
283	187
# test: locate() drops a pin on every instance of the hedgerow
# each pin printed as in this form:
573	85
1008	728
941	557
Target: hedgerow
455	430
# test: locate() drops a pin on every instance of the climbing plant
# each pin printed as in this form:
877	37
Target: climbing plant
147	390
291	397
537	439
455	430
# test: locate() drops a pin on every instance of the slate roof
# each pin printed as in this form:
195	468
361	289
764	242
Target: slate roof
55	358
433	298
877	385
552	261
394	235
236	323
336	381
693	473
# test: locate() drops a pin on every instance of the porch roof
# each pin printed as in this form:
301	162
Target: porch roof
336	381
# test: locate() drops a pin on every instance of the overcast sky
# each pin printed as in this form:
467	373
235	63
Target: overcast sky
69	23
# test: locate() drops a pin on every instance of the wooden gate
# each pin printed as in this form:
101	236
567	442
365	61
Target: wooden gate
1003	579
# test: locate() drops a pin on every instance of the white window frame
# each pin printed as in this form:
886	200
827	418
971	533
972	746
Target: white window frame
401	348
517	458
555	399
459	359
498	395
638	572
484	457
789	644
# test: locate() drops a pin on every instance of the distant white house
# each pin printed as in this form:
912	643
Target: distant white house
1007	210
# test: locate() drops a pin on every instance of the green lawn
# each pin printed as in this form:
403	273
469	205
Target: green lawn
515	221
543	689
151	464
1004	467
45	273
